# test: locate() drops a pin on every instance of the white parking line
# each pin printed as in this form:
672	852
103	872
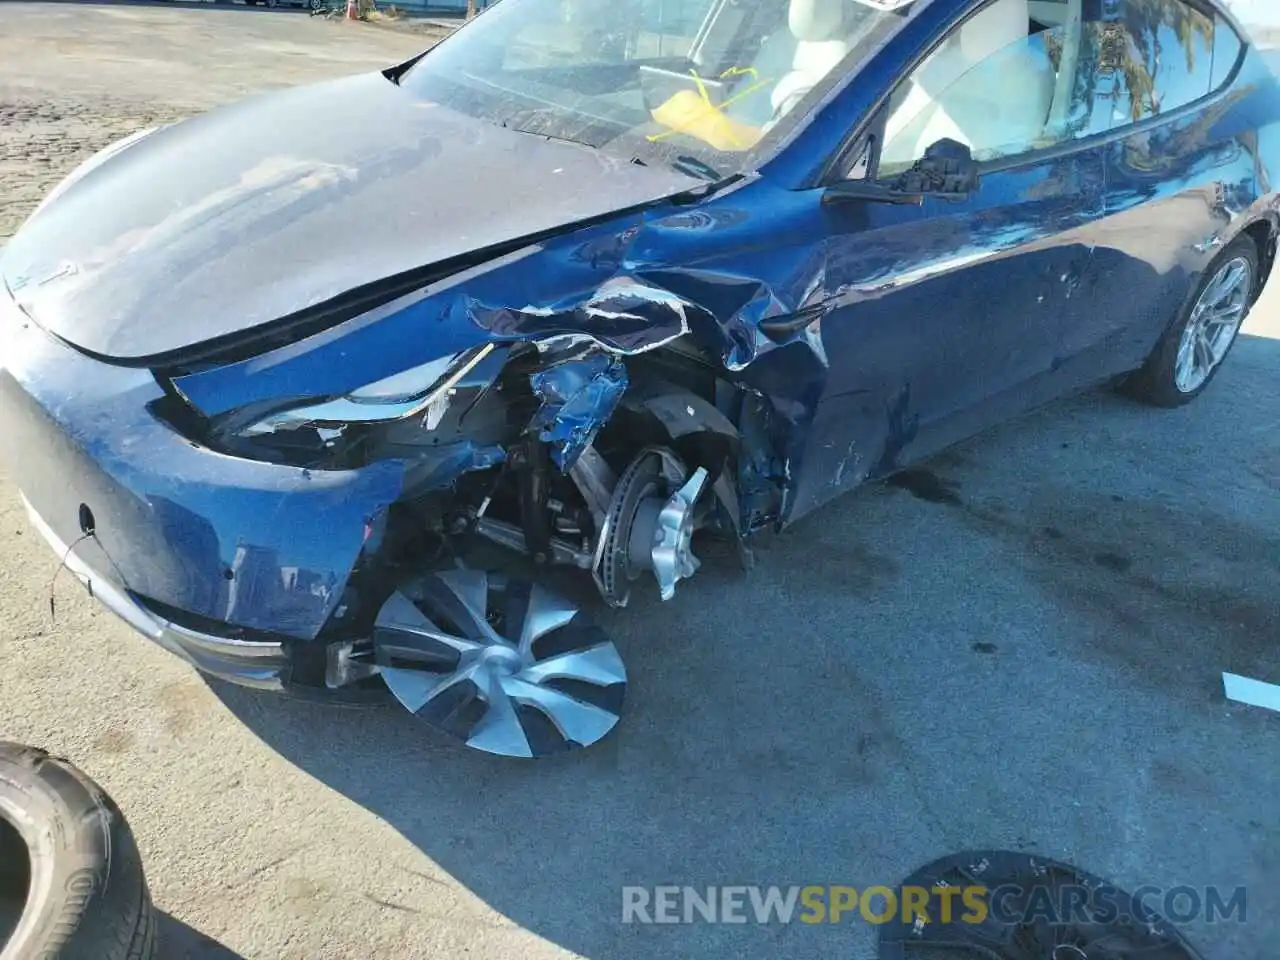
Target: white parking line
1253	692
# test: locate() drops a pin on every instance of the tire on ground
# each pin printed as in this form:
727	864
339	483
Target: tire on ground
67	853
1154	382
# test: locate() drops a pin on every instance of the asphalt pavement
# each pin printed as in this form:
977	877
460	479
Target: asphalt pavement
1024	652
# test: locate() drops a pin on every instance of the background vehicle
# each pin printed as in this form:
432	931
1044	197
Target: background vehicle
304	4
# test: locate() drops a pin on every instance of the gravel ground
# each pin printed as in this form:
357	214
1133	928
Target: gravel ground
1034	663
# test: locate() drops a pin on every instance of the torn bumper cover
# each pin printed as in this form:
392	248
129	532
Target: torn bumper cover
578	397
226	560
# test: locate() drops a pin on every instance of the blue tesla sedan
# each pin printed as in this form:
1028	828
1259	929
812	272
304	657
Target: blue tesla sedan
583	286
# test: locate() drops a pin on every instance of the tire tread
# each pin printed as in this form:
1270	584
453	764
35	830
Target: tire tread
100	907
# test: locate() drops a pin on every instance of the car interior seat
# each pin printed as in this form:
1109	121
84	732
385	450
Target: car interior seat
798	58
821	43
950	95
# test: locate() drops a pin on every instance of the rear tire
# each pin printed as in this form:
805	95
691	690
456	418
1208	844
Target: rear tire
1158	382
67	854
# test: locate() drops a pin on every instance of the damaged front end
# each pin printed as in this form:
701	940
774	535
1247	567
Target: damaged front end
324	483
572	436
556	444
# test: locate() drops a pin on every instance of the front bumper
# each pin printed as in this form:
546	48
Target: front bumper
252	663
260	548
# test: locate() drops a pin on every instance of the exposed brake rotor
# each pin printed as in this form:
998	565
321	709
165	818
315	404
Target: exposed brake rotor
505	666
648	526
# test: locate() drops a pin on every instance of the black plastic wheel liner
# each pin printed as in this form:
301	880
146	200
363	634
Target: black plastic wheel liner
1036	909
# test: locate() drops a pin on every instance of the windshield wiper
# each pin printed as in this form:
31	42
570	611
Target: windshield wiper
548	136
690	165
695	167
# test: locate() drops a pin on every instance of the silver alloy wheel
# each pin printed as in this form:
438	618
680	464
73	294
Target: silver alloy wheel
507	667
1213	325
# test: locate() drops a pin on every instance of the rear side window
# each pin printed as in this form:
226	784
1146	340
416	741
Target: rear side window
1160	53
1019	76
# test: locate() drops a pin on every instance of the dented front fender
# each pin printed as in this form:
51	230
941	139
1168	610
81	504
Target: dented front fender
600	294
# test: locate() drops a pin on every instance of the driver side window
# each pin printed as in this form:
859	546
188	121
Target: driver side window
1003	83
1023	75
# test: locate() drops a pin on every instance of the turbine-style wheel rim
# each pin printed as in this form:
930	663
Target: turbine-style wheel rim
507	667
1214	323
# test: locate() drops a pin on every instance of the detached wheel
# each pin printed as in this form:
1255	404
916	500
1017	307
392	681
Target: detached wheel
1190	353
71	880
504	666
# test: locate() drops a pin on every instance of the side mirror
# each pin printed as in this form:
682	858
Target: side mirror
946	171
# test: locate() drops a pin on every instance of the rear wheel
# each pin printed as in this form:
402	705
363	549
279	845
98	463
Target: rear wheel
1191	352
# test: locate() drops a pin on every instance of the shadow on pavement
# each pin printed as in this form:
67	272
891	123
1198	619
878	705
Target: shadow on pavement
176	941
699	785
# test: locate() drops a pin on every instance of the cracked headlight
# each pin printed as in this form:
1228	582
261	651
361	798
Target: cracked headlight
421	390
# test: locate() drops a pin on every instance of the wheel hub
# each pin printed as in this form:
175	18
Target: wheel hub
672	554
648	526
504	659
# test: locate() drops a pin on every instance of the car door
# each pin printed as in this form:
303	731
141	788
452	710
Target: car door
949	316
1179	169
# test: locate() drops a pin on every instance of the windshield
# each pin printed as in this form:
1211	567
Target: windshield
694	83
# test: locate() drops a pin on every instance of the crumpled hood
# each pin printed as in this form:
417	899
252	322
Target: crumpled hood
267	207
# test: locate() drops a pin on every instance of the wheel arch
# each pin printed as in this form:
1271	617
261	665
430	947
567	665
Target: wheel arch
692	424
700	433
1265	232
680	411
